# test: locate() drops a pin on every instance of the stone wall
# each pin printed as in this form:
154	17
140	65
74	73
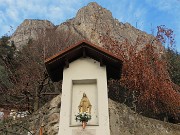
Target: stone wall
123	121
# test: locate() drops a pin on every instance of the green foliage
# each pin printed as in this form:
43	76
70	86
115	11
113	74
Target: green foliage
4	40
4	78
6	57
173	58
30	41
7	48
83	117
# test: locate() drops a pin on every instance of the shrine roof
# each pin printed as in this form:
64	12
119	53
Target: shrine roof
56	63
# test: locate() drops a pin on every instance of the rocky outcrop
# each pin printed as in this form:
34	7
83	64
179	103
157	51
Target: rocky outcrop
92	22
30	30
123	121
97	25
46	118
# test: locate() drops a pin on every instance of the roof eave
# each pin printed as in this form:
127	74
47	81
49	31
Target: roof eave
57	62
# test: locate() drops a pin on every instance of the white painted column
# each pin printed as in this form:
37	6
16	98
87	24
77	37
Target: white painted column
84	75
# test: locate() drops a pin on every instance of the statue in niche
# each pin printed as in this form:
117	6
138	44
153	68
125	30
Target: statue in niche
85	105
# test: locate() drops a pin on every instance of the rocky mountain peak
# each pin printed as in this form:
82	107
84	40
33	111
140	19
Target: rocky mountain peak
92	22
97	25
92	12
30	29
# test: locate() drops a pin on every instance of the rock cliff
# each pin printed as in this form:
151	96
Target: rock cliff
30	30
97	25
92	22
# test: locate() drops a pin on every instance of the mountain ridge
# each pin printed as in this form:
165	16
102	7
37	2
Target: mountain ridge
91	22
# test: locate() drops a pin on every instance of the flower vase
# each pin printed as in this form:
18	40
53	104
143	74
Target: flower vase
84	124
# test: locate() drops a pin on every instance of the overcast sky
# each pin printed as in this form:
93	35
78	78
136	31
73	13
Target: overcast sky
146	15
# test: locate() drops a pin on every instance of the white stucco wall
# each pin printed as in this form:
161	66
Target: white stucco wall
84	75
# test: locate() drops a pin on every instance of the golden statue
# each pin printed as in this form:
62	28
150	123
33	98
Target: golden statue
85	105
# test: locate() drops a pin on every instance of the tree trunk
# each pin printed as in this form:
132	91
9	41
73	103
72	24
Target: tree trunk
36	101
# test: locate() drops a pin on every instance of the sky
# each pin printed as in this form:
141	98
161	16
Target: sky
145	15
